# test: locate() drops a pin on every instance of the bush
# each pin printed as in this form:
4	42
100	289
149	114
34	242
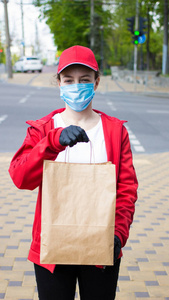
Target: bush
106	72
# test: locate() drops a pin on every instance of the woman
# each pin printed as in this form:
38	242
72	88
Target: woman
47	138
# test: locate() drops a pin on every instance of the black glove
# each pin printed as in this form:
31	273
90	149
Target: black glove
117	247
71	135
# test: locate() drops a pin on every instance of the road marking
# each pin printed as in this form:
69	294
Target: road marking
109	103
157	111
24	99
3	118
139	148
134	141
132	136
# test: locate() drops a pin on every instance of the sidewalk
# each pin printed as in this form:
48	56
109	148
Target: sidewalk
106	83
144	272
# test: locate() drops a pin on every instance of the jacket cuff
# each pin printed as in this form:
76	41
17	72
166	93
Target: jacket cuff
57	144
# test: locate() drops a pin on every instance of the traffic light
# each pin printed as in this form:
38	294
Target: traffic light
142	25
135	37
1	50
131	22
138	35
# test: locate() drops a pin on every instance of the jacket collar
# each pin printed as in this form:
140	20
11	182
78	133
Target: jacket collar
47	118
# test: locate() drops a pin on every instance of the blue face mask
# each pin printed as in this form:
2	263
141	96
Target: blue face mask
77	96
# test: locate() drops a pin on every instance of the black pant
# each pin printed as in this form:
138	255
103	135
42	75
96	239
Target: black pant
94	283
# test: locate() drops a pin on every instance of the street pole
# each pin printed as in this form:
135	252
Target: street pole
101	52
135	46
91	24
23	36
165	41
37	51
8	51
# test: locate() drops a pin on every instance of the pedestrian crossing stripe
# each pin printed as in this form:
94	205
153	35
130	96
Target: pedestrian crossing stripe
134	141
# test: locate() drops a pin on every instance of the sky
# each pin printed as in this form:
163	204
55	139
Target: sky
31	14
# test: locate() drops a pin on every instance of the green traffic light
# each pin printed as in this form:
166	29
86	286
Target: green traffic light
136	42
136	32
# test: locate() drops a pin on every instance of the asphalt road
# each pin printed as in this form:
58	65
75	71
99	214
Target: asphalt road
148	117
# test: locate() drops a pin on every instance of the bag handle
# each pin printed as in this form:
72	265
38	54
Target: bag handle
91	153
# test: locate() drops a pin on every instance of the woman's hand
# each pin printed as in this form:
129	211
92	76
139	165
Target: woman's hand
71	135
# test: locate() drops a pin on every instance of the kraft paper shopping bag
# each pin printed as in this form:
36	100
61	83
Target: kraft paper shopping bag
78	213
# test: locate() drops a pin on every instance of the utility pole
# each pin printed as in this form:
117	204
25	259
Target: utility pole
8	51
23	36
148	38
36	39
165	41
135	46
101	52
92	24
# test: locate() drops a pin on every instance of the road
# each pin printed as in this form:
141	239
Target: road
148	117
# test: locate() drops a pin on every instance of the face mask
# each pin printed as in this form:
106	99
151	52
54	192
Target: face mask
77	96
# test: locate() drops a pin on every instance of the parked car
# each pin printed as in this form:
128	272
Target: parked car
31	63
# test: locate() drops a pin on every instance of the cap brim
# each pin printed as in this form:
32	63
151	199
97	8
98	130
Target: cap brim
77	63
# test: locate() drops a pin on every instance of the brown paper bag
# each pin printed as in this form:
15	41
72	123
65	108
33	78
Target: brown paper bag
78	213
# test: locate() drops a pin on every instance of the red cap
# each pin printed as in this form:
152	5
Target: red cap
77	55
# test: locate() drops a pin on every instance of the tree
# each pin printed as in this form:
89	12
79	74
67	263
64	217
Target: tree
120	39
69	21
2	55
148	8
151	49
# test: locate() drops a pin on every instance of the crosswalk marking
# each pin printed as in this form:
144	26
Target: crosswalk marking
134	141
139	148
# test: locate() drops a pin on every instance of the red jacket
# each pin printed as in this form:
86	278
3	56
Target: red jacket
42	142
